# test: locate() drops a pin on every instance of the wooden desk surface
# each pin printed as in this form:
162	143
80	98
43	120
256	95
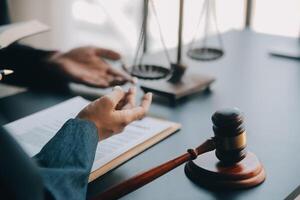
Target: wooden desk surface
265	88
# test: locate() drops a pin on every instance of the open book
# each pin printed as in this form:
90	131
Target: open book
34	131
13	32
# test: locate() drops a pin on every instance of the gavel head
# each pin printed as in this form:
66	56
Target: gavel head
230	135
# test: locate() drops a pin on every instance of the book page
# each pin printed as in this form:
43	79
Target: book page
34	131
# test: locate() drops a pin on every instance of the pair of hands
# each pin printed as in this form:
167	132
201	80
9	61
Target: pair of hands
114	111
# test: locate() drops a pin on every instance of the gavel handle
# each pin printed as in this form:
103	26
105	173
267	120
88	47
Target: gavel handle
143	178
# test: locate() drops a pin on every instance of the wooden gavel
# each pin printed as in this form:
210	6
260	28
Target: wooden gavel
229	142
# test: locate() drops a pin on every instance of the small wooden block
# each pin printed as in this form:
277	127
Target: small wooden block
190	84
208	171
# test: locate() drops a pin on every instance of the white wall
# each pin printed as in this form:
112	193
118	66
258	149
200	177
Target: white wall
55	13
274	17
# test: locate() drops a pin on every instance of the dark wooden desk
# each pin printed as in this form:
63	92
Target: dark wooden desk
265	88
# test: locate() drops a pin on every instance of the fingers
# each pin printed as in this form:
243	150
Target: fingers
131	96
130	99
114	76
146	101
100	73
119	74
136	113
115	96
95	82
106	53
117	81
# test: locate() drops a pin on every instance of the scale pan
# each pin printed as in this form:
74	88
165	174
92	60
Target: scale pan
205	54
148	72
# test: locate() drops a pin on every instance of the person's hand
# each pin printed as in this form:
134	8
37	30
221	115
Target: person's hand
86	65
112	112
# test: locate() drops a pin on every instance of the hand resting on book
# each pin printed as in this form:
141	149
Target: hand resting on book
112	112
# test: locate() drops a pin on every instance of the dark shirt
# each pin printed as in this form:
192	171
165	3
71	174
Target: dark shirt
30	64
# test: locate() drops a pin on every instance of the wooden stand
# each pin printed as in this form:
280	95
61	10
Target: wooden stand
180	84
208	171
188	85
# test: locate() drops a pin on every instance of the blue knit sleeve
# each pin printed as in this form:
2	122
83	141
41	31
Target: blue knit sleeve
65	161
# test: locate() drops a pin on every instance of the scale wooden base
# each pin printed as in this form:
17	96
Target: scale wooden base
189	84
208	171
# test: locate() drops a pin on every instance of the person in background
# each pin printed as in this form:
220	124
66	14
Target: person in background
38	68
61	169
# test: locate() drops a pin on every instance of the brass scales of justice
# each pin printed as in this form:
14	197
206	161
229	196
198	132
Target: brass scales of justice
173	82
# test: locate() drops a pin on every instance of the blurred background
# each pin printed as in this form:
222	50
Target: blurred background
116	23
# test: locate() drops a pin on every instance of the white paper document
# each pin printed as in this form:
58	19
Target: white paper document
34	131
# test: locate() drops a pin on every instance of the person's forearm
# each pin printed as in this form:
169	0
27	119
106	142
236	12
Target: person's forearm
31	66
66	160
